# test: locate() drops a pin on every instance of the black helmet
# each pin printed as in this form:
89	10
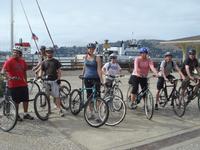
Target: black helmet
91	45
192	52
168	54
43	48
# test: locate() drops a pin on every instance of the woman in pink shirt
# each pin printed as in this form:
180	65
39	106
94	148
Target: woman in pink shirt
142	65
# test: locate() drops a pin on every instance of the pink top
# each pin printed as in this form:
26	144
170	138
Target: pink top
142	66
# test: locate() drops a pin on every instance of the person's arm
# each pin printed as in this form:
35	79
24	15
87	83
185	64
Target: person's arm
59	74
151	65
104	69
162	69
179	71
136	67
187	68
99	68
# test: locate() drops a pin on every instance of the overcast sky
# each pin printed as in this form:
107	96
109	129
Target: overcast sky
77	22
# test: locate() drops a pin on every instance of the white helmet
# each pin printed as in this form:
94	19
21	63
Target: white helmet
113	55
17	48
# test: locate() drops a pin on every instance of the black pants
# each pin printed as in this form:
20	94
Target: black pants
89	83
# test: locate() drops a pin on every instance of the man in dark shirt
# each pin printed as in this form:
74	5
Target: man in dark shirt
189	66
52	73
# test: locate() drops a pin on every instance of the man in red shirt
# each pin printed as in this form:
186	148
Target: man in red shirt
15	68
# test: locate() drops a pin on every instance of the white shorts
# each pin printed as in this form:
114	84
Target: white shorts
52	88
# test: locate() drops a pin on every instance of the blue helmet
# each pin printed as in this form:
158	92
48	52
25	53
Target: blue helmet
144	50
91	45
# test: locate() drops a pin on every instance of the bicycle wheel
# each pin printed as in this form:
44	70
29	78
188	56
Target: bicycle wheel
117	110
128	97
162	98
33	89
66	84
118	92
179	104
199	100
64	97
75	102
8	115
96	112
42	106
149	105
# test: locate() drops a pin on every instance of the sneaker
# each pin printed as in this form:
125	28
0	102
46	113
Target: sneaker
61	113
156	106
29	117
19	118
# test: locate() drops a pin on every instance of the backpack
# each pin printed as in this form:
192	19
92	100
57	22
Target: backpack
165	65
109	66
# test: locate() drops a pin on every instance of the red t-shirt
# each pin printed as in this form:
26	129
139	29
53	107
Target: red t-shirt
16	68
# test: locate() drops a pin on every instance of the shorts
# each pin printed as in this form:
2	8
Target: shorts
136	81
52	88
19	94
89	83
161	81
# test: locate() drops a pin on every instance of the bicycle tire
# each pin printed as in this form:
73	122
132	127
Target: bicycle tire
66	84
44	102
118	91
179	104
33	89
117	110
149	105
162	98
75	102
96	112
5	114
64	97
199	100
128	97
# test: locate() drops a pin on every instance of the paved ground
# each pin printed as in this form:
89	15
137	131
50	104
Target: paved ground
165	131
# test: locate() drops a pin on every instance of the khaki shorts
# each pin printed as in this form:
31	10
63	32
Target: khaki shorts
52	88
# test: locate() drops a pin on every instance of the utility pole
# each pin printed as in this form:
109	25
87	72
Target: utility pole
12	27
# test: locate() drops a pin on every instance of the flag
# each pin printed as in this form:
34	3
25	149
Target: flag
34	37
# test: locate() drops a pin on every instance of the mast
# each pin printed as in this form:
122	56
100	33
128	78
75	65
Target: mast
12	27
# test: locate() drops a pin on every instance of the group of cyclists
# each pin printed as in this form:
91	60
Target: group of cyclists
93	72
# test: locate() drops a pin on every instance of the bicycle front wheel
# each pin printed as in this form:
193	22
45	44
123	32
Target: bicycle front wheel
179	104
96	112
75	102
118	92
66	84
128	97
33	89
64	97
117	110
149	105
8	115
42	106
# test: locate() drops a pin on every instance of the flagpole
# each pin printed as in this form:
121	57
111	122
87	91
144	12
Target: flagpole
12	27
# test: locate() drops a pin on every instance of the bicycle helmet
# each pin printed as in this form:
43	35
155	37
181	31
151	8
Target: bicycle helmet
144	50
168	54
113	56
49	49
17	48
192	52
91	45
42	48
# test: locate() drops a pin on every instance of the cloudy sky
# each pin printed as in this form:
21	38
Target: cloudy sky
77	22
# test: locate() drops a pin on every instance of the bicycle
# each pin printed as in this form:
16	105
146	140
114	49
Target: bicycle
115	85
117	107
148	100
96	110
65	89
8	110
177	103
192	91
